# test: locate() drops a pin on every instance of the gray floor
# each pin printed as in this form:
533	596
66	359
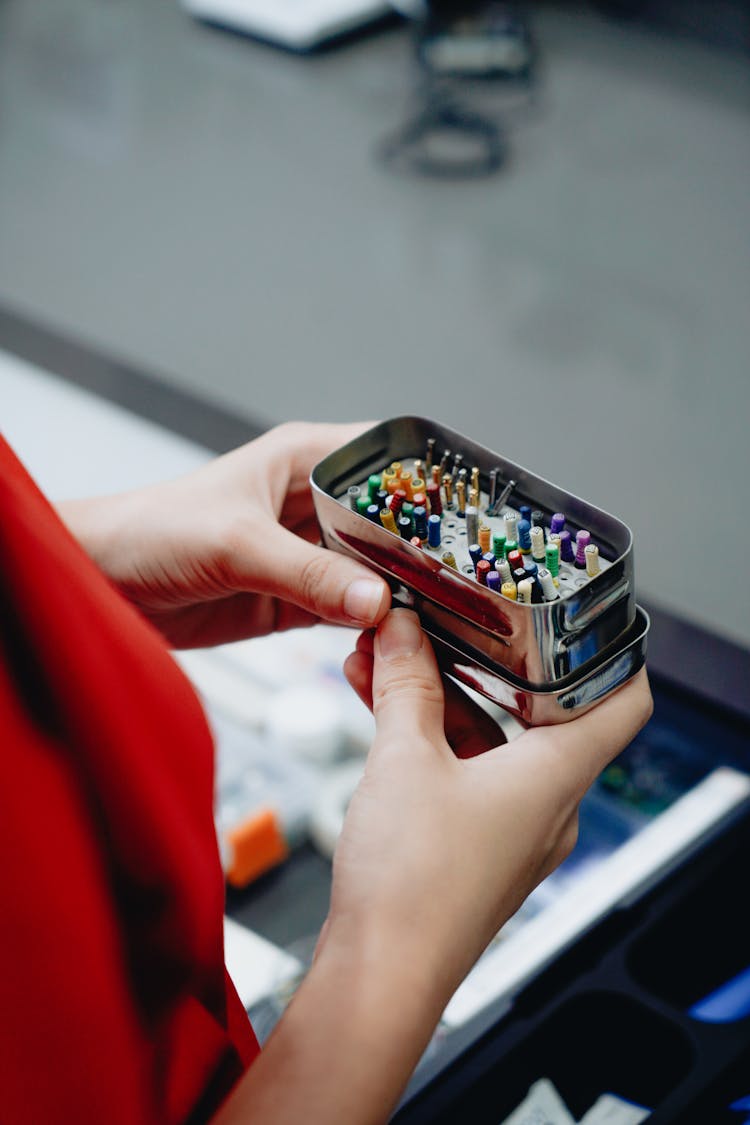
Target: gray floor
214	210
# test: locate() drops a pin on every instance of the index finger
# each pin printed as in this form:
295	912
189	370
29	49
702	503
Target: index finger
310	442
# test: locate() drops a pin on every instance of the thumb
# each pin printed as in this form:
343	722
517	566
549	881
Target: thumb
407	692
320	581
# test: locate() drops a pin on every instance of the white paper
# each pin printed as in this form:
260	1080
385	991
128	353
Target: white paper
257	966
611	1110
541	1106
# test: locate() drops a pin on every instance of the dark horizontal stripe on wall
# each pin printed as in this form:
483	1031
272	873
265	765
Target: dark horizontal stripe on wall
147	395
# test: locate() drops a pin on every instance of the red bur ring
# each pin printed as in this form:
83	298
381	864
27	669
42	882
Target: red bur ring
397	500
433	495
515	558
483	569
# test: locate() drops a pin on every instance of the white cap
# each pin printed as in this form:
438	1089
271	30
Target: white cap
306	720
330	805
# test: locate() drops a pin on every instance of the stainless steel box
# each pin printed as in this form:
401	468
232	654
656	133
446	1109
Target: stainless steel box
544	662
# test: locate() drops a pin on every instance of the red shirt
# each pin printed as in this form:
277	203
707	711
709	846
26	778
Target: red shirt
115	1006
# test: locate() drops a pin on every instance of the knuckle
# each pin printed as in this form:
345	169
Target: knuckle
313	573
566	840
290	433
563	776
646	704
277	442
232	543
640	699
569	837
410	688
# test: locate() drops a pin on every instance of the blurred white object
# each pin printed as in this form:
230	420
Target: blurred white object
306	721
255	965
297	24
329	807
94	446
300	658
263	799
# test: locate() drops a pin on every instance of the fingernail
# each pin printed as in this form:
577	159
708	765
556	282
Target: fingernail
362	600
400	635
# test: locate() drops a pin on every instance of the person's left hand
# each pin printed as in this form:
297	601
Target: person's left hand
231	550
451	828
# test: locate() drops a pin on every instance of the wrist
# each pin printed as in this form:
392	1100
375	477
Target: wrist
345	1048
103	526
389	962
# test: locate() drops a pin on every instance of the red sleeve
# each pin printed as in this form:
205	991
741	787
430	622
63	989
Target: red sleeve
115	1003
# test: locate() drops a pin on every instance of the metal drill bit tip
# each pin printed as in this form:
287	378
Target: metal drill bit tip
502	499
493	489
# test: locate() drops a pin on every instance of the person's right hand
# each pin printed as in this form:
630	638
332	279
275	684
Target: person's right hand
441	843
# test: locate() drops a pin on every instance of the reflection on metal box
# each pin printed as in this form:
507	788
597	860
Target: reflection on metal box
545	659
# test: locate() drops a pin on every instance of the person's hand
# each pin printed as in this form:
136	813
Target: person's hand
445	836
437	851
230	551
